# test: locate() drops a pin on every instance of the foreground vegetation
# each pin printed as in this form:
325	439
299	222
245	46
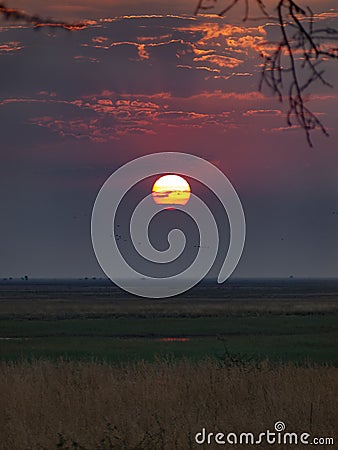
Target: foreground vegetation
160	405
88	367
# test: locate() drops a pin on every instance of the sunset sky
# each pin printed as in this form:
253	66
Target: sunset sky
145	77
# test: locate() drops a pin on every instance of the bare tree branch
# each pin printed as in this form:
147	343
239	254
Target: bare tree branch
294	64
37	21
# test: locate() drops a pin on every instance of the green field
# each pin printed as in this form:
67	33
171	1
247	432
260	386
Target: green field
290	322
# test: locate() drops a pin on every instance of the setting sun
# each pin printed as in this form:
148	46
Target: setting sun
171	190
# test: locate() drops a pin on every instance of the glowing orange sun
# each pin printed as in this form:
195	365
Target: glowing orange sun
171	190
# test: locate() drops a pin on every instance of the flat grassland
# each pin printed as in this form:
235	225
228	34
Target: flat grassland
85	366
281	321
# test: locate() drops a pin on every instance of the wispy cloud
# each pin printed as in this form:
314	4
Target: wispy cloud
10	47
116	115
262	112
220	60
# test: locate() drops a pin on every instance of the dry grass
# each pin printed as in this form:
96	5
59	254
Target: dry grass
158	406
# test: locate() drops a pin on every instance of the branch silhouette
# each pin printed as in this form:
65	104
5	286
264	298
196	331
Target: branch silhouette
295	62
37	21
